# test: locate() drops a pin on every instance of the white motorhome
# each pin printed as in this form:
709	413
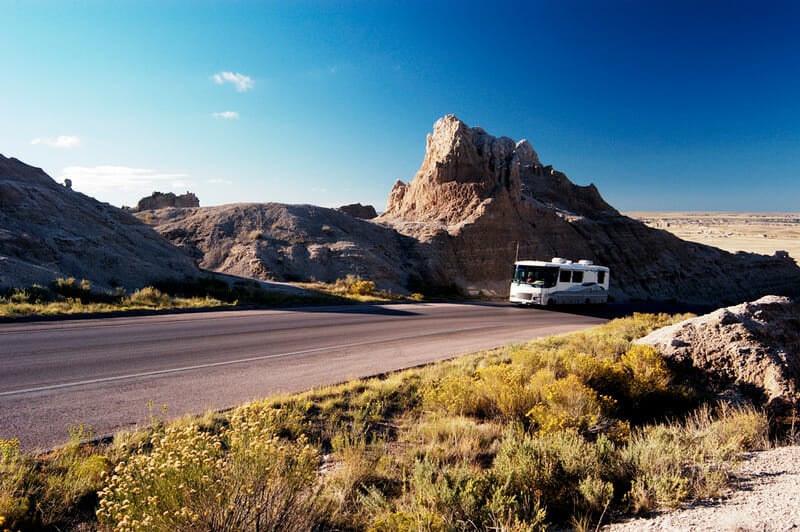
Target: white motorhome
559	282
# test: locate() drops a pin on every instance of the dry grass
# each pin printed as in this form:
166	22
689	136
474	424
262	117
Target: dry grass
355	288
70	296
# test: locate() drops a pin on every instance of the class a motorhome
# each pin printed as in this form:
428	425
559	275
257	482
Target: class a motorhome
559	282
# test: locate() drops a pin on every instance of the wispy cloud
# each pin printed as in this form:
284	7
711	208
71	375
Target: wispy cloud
227	115
121	184
240	81
61	141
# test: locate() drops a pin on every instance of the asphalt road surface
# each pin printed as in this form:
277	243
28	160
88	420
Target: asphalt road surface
102	373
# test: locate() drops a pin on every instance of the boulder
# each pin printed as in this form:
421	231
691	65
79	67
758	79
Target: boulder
749	351
356	210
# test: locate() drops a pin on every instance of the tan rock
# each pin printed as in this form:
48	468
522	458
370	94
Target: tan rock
160	200
751	350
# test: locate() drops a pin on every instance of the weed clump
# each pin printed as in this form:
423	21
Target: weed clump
354	285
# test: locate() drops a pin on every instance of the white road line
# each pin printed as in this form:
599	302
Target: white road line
232	362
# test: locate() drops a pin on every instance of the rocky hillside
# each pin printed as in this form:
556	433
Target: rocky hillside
750	351
48	231
272	241
477	197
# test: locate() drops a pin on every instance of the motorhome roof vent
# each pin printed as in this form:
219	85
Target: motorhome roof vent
585	262
559	260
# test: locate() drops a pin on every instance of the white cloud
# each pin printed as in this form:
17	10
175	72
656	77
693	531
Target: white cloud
227	115
240	81
61	141
122	184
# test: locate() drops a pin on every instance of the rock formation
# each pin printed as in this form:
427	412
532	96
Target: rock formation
272	241
48	231
356	210
750	351
476	199
159	200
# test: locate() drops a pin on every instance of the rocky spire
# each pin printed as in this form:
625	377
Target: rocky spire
462	168
465	169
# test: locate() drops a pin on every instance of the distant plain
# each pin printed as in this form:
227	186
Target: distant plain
763	233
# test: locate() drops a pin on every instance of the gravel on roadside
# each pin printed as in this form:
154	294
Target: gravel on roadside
766	498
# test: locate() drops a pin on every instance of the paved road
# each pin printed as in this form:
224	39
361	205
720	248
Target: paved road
103	372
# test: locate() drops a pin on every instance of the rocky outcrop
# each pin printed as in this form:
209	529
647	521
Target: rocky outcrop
749	351
159	200
48	231
479	201
467	171
356	210
272	241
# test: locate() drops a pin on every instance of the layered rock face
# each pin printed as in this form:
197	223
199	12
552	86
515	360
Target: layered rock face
272	241
749	351
48	231
481	201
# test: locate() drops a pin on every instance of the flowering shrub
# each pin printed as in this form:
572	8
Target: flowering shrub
647	370
356	286
166	488
568	404
244	478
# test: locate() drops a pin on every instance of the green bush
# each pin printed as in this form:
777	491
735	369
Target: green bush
15	474
568	404
551	468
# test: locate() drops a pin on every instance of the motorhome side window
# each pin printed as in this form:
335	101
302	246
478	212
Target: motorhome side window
577	277
564	277
601	277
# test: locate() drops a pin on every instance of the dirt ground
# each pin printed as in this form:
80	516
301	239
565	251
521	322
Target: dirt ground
763	233
766	498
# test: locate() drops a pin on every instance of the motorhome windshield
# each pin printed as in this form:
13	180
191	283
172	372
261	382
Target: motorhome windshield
544	276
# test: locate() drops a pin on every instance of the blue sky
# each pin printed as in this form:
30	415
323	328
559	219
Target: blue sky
664	105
